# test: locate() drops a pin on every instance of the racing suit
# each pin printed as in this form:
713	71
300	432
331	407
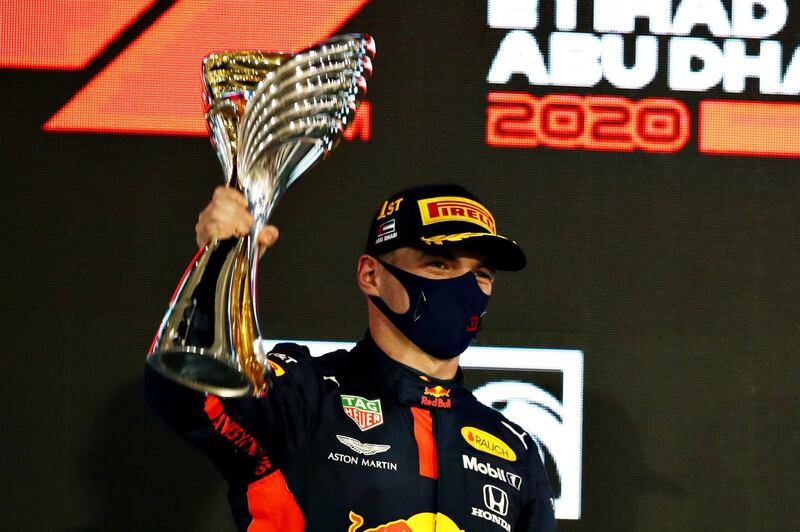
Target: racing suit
356	441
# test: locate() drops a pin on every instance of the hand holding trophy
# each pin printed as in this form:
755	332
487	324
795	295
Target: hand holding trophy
271	116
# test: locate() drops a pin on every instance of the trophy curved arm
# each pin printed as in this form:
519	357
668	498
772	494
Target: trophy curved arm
323	100
268	104
290	86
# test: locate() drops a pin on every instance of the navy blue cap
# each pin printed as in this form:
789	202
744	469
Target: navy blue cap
439	217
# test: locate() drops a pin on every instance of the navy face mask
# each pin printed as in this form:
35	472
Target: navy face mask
444	315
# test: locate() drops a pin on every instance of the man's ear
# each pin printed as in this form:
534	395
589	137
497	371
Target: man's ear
367	275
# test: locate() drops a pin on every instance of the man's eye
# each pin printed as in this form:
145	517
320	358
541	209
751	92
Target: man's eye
439	265
484	275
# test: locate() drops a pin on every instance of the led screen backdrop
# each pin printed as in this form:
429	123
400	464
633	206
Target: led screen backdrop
643	153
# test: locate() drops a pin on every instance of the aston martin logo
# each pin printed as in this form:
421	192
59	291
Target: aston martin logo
367	449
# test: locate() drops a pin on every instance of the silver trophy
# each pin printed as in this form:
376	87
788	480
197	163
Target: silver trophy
270	116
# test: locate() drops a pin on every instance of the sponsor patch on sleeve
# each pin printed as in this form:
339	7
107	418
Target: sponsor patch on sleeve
276	369
488	443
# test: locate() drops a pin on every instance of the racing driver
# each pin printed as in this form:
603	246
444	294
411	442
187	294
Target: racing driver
384	437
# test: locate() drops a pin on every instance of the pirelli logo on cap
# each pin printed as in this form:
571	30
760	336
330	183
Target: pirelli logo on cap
455	209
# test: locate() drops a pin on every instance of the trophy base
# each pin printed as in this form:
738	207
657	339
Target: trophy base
200	371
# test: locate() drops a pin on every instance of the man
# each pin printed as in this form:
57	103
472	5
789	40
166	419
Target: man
384	437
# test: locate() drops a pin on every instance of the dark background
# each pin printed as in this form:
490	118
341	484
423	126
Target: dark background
675	274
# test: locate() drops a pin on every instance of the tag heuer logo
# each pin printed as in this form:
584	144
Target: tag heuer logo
367	414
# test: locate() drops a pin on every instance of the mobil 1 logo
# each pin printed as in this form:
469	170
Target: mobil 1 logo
472	463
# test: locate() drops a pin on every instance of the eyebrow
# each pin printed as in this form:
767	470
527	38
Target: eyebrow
448	255
439	254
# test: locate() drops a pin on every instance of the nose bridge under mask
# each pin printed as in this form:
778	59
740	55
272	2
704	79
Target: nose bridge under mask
443	315
419	288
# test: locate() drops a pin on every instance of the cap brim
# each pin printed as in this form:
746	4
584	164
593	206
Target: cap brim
503	253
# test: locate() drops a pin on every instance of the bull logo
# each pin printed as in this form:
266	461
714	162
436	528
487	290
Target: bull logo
422	522
437	391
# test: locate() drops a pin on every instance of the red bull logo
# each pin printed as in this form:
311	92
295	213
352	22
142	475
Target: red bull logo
437	391
436	396
422	522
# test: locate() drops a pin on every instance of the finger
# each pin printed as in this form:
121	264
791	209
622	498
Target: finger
268	236
206	231
229	195
212	224
200	235
227	205
240	223
227	217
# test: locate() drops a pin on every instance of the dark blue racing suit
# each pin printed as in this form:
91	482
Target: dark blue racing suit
354	441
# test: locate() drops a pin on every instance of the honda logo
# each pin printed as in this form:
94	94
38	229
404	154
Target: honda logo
495	499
